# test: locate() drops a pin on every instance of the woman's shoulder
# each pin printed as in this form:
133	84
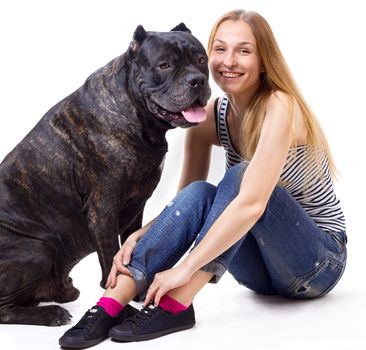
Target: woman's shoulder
278	105
282	104
285	107
279	98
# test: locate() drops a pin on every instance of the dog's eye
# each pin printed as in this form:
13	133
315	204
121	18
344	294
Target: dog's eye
202	60
164	65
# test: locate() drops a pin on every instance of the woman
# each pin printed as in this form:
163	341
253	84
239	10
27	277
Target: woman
274	220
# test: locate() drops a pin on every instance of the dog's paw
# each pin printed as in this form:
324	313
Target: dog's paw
54	315
103	282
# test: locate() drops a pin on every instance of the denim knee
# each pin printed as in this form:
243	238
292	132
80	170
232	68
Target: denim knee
235	172
199	190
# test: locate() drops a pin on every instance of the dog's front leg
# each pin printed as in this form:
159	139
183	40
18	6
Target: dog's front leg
107	247
103	222
108	219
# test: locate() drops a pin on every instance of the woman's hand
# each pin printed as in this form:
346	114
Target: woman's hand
121	260
166	281
123	257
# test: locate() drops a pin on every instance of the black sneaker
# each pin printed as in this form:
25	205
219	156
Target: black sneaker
93	327
152	323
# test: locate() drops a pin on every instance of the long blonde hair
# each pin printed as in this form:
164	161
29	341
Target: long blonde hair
276	77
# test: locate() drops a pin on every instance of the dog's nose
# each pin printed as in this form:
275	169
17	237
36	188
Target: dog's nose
195	81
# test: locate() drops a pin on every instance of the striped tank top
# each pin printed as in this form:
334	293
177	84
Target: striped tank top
313	191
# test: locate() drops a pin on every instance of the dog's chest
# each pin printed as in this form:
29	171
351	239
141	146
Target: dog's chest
146	169
138	172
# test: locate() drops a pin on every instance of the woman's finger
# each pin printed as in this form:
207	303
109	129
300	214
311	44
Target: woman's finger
113	274
126	256
158	295
126	271
149	295
117	260
108	281
110	278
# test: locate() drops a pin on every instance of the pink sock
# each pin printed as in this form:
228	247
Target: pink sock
112	307
171	305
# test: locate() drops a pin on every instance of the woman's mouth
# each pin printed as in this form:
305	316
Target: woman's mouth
231	75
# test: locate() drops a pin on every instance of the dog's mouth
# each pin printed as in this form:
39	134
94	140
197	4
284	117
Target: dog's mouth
192	115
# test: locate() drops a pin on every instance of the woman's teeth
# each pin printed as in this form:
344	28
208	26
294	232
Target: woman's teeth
230	75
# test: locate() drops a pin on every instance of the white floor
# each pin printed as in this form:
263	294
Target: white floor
229	317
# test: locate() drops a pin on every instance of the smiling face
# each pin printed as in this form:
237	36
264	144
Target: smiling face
234	61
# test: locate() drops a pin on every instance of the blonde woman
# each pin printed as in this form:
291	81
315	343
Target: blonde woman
274	221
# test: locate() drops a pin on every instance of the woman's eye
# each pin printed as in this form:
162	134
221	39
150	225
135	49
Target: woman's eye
164	65
219	49
244	51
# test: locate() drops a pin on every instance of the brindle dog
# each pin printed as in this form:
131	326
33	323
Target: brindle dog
82	176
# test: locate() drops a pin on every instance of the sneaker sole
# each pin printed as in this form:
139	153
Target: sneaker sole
81	344
132	338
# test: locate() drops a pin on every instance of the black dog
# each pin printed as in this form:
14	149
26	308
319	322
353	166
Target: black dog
82	176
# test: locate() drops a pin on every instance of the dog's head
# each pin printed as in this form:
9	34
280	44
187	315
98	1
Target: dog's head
168	75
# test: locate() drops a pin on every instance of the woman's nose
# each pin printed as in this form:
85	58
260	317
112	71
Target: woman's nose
230	60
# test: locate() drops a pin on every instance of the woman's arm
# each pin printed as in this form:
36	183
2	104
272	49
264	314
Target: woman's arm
259	180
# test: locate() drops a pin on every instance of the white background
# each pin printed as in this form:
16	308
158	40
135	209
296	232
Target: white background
48	48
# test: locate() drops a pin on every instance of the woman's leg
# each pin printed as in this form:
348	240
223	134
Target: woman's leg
292	255
249	269
185	294
302	260
124	291
285	252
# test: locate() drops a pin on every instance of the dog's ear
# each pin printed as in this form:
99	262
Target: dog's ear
140	34
138	37
181	27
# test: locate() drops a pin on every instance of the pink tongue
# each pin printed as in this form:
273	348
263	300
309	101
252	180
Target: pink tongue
195	114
